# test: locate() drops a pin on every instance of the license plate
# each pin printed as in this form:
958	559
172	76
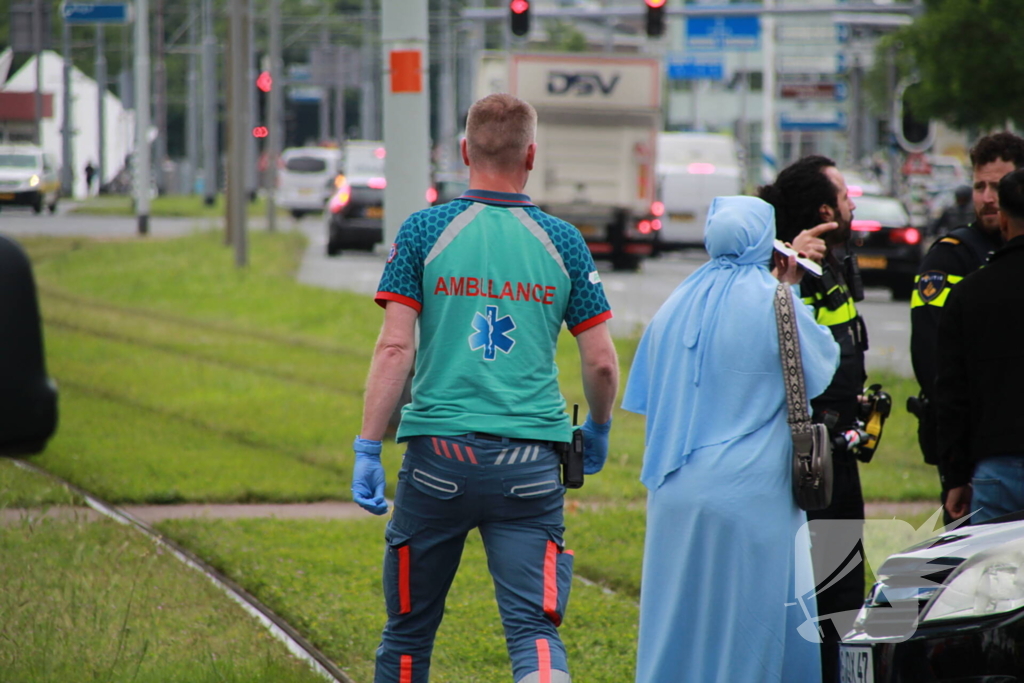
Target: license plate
374	212
855	665
872	262
588	230
305	191
682	217
6	196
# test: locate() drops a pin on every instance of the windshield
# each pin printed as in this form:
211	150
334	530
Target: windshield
885	210
364	161
306	165
683	150
18	161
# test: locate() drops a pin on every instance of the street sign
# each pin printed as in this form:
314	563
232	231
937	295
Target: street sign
824	120
807	91
96	13
691	68
719	33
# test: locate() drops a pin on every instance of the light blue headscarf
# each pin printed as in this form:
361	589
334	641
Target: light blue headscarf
707	369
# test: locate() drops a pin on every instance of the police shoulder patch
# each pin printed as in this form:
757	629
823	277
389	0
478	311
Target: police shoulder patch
930	285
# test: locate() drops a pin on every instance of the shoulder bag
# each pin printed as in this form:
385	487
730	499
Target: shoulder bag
812	448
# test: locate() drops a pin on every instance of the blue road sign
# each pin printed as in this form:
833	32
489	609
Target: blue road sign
723	33
96	13
690	68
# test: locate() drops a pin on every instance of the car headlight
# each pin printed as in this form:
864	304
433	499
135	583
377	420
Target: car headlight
989	583
33	181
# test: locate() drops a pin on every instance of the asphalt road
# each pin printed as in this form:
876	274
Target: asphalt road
635	297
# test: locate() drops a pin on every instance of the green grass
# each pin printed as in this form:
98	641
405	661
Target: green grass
22	489
324	577
95	601
166	206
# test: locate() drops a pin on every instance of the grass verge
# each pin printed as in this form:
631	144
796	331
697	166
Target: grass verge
165	206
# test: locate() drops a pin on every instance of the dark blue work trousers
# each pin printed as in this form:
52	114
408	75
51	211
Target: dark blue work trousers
512	492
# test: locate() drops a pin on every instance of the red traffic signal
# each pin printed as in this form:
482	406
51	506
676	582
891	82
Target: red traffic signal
519	13
260	132
655	17
264	82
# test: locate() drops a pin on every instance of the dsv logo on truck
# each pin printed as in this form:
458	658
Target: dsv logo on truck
582	84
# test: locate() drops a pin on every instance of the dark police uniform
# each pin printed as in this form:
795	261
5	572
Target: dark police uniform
835	307
949	261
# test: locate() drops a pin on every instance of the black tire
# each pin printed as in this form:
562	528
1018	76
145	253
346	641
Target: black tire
37	206
298	213
52	208
333	249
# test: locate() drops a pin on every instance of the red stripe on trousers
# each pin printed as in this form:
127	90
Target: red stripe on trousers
551	584
405	673
458	452
404	597
469	452
444	447
437	451
543	660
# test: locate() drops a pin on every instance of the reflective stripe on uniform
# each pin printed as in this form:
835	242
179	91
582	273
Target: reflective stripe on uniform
405	671
940	300
828	317
551	583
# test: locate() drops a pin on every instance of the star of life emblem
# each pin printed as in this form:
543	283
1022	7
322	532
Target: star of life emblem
491	333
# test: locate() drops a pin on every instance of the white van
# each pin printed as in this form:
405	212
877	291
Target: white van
693	169
305	178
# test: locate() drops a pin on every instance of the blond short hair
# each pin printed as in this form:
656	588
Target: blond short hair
499	129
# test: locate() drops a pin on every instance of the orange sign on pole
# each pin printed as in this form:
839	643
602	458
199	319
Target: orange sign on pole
406	75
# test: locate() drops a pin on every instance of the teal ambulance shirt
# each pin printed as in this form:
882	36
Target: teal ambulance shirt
493	278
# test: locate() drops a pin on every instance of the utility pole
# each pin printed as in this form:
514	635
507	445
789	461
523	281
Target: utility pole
211	155
323	115
275	122
160	78
192	108
67	167
101	106
37	40
368	61
142	161
251	149
406	111
446	115
239	128
769	158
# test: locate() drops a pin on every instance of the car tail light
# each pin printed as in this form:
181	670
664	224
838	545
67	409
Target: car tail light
701	168
431	195
339	180
865	226
855	190
339	200
905	236
644	227
656	224
379	153
658	208
377	183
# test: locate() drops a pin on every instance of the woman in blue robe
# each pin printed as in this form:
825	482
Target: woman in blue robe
727	567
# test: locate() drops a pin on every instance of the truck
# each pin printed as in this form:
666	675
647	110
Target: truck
598	118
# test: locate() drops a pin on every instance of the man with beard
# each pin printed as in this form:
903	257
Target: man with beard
949	261
814	211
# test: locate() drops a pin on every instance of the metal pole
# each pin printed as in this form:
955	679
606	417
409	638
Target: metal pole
323	114
67	167
447	94
160	78
275	122
251	148
890	144
37	40
857	119
192	108
769	158
406	113
238	127
211	155
142	161
368	105
101	107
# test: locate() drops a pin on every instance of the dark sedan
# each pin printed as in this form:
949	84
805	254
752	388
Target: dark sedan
355	217
887	246
948	610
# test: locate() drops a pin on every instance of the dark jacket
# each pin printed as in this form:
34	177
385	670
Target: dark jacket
981	366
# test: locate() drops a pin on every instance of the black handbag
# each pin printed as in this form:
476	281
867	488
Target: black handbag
812	447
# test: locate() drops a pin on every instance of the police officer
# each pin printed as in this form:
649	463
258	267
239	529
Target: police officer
814	211
490	279
950	260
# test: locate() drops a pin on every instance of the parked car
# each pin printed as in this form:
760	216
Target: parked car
948	610
305	178
28	177
356	208
888	248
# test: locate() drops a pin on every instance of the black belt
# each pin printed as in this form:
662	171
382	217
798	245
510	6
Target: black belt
488	437
494	437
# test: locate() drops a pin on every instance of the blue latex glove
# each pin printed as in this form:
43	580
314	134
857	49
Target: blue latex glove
368	477
595	445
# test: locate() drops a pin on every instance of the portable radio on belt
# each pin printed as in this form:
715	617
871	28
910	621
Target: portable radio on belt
572	455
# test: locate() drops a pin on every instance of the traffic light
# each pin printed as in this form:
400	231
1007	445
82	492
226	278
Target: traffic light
913	133
519	13
655	17
264	83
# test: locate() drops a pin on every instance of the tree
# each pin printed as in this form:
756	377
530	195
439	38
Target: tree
968	56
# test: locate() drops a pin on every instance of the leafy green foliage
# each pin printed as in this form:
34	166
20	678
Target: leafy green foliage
967	54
